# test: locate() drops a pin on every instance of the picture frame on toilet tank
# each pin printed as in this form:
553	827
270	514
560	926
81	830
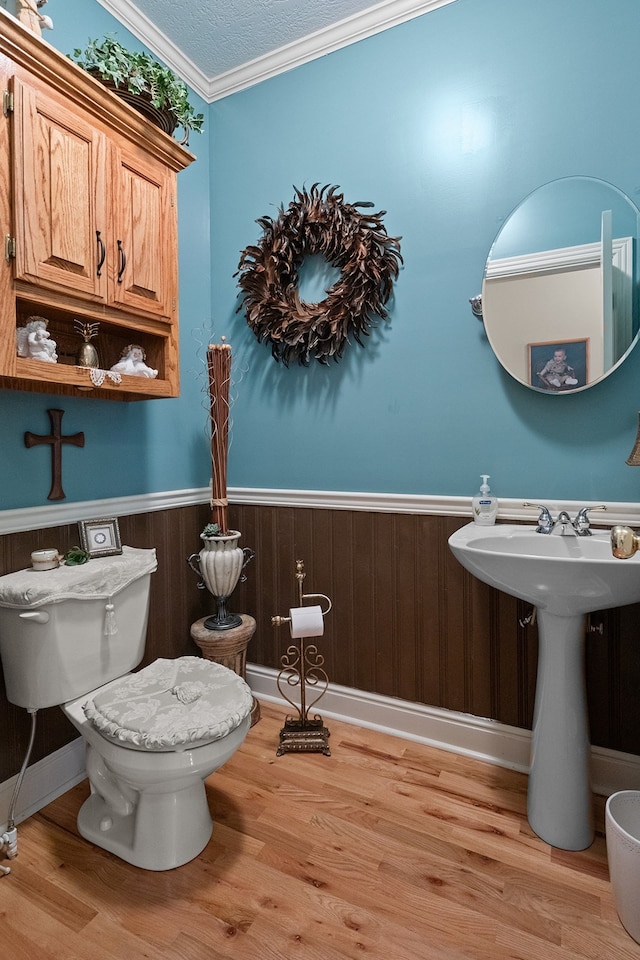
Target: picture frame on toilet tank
100	538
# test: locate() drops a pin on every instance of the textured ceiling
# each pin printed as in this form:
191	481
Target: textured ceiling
219	35
219	46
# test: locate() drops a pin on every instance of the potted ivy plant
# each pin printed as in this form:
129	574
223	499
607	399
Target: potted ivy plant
143	82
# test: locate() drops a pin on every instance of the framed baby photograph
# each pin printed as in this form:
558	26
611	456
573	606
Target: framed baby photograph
100	538
559	365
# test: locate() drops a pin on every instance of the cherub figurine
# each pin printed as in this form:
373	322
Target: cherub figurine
132	362
33	341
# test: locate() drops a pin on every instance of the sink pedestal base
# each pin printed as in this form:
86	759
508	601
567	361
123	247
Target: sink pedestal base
559	796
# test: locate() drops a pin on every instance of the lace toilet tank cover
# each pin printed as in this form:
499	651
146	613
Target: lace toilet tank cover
100	578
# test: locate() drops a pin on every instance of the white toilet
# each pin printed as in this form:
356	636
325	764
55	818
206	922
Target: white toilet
71	637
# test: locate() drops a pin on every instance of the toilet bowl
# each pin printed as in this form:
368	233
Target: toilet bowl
72	637
149	807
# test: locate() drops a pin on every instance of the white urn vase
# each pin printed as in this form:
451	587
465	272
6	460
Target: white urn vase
220	564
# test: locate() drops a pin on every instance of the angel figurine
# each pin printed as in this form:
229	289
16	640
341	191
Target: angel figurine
132	362
33	341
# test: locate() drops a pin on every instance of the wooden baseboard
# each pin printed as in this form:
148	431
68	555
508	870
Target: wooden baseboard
460	733
43	782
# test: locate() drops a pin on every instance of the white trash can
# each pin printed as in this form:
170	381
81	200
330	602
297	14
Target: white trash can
622	825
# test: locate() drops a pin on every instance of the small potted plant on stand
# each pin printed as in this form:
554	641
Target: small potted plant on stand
220	564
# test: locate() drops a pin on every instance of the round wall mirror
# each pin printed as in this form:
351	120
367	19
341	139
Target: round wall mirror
560	288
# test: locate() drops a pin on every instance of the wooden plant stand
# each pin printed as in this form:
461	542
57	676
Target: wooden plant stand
229	648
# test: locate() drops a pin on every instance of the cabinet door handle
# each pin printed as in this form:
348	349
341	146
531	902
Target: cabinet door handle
102	252
122	260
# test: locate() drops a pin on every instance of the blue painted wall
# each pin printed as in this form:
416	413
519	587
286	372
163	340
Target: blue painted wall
446	122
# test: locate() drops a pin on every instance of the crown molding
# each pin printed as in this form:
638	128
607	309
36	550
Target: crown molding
146	31
564	258
359	26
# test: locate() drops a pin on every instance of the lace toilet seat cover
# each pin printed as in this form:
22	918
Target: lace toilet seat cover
171	704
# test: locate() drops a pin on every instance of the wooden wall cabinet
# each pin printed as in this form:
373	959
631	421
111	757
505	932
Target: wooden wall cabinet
89	222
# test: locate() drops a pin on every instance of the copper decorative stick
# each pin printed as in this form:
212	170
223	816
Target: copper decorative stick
219	369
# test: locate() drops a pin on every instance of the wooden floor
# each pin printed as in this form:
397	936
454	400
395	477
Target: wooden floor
387	850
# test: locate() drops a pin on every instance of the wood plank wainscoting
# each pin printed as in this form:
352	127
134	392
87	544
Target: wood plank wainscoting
407	620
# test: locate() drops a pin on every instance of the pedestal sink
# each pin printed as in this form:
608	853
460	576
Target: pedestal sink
564	577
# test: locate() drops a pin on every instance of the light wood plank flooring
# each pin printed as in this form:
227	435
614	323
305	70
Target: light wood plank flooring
386	850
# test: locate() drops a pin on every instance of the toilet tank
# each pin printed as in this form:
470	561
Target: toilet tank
66	632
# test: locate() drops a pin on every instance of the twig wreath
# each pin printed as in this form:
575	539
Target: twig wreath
318	222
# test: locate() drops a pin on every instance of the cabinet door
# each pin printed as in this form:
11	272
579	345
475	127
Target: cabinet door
60	197
144	275
7	302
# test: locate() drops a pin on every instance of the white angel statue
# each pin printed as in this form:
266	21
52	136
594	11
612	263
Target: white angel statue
33	341
132	362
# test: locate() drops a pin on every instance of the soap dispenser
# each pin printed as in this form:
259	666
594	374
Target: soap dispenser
485	505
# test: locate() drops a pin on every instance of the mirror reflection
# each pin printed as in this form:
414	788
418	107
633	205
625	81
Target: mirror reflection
560	289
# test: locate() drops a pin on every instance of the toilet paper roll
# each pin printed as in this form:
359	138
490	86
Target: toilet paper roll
306	622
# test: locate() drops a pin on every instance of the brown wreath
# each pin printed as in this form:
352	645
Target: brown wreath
318	222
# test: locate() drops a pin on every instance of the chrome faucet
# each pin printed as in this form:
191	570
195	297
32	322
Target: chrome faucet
581	522
564	525
545	523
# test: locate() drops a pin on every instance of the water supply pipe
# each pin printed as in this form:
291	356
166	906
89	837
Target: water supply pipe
9	839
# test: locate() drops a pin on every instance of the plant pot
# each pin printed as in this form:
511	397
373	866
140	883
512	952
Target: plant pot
220	564
141	102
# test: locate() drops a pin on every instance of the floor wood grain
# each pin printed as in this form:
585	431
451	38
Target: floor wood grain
387	850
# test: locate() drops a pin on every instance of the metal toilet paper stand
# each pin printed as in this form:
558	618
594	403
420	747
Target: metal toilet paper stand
302	666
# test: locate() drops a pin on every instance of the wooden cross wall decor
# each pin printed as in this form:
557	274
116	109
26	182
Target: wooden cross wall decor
55	440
